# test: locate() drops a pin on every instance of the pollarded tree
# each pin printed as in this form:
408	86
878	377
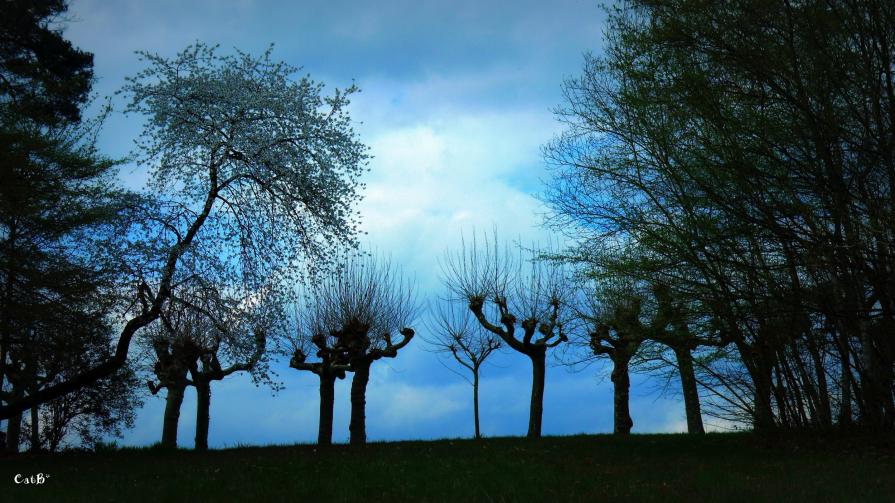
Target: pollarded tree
173	354
199	331
310	336
621	317
673	329
466	341
363	306
252	171
617	332
506	293
234	339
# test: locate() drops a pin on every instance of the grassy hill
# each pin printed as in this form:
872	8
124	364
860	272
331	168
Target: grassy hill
717	467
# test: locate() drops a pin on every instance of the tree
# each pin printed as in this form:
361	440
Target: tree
621	320
59	210
252	172
56	348
174	353
42	76
240	343
363	306
87	416
618	334
467	343
311	336
504	293
197	331
673	330
742	151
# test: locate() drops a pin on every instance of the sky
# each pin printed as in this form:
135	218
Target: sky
456	102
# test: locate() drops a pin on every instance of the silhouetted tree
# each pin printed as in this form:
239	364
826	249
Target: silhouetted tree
741	152
252	172
241	345
55	348
87	416
466	341
612	313
621	317
197	332
174	353
312	337
59	211
672	328
42	76
504	292
363	306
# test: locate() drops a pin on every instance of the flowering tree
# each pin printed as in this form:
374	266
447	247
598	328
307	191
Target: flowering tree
251	172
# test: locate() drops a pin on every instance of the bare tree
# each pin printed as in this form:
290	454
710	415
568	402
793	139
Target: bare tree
310	336
362	307
504	293
464	339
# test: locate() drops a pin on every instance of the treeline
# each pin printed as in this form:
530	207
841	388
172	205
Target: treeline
730	165
725	178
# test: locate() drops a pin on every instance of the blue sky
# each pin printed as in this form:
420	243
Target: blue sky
456	102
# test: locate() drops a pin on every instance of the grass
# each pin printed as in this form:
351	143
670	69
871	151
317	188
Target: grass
717	467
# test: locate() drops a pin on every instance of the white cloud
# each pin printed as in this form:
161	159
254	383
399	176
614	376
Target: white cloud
456	146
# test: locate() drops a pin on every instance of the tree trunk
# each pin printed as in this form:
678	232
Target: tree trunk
358	426
35	430
13	431
824	409
690	391
475	402
172	416
622	422
327	401
872	384
845	385
536	412
763	413
203	406
760	372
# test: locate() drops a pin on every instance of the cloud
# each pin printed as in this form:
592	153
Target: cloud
455	106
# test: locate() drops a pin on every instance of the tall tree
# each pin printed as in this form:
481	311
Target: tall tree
746	153
42	76
252	172
59	210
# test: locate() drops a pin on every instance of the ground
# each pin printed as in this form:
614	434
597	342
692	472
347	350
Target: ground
716	467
